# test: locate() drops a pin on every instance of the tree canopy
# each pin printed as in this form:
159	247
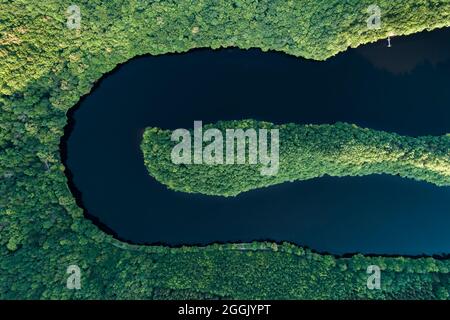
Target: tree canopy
305	152
46	66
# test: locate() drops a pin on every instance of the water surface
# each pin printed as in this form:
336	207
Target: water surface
403	89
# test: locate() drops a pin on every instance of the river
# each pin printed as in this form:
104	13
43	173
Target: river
403	89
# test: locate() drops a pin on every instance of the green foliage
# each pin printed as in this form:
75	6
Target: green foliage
44	70
306	151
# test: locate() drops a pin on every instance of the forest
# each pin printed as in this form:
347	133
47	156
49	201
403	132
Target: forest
306	152
47	66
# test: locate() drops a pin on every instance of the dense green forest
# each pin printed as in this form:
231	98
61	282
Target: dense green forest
305	152
47	63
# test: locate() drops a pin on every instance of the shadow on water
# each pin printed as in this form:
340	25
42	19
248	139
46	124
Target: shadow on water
372	215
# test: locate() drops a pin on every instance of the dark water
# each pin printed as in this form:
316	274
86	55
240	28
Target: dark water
403	89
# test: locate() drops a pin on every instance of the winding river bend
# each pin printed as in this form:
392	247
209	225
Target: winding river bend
403	89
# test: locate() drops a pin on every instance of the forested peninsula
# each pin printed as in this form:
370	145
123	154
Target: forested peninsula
305	152
47	64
